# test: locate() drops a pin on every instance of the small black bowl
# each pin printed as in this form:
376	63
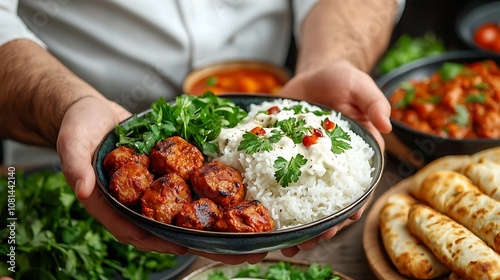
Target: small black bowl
239	243
471	18
426	147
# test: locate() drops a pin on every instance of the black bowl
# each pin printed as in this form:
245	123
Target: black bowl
471	18
239	243
426	147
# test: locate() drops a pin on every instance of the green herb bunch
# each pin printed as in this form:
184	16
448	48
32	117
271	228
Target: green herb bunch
199	120
282	271
56	238
407	49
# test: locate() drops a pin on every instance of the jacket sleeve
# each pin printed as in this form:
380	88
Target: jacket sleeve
12	27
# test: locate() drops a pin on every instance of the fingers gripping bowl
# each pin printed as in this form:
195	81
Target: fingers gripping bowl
262	186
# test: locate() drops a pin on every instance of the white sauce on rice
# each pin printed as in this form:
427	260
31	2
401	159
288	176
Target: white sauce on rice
329	181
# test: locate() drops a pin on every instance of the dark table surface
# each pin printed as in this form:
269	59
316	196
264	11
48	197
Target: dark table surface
345	251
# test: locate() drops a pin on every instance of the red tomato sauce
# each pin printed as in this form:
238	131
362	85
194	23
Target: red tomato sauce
461	103
256	81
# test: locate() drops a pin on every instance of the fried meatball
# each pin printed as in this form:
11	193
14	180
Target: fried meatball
246	216
221	183
175	154
122	155
201	215
165	198
129	183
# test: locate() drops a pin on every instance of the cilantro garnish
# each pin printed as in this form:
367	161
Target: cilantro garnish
297	109
340	140
482	86
450	70
288	171
433	99
199	120
294	128
211	81
476	98
281	271
461	116
410	93
252	143
56	238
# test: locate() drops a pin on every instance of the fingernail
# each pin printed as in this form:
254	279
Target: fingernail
78	187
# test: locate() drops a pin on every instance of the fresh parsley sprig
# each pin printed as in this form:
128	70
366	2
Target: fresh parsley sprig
198	120
461	116
295	128
288	171
252	143
56	238
281	271
407	99
340	140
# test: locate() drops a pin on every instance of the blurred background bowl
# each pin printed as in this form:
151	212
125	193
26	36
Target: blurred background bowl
239	243
474	16
231	271
424	146
236	77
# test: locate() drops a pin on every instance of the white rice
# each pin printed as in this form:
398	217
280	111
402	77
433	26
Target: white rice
329	181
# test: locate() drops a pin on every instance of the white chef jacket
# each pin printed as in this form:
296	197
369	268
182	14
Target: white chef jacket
135	51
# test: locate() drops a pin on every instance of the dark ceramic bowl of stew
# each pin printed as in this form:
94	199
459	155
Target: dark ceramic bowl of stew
441	117
244	76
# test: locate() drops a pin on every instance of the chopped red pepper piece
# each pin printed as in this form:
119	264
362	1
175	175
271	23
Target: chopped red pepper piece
328	124
273	110
258	130
309	140
317	132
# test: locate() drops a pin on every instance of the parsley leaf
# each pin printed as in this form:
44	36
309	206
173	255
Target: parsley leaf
294	128
477	98
461	116
199	120
410	93
297	109
482	86
340	140
288	171
433	99
211	81
57	238
281	271
450	70
252	143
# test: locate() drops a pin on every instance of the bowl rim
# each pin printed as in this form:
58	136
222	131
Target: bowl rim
415	65
376	178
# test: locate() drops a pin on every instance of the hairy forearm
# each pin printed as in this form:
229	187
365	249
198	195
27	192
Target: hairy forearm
354	30
35	92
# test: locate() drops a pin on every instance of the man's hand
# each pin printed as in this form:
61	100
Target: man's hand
84	125
346	89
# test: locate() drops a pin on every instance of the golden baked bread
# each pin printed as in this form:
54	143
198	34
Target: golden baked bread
453	244
407	253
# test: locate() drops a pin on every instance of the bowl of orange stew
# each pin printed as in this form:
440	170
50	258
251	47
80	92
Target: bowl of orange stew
236	77
446	105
